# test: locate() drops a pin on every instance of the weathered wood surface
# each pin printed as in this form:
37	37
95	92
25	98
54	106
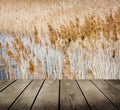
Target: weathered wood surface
60	95
115	83
111	93
71	97
96	99
26	99
5	83
10	94
47	99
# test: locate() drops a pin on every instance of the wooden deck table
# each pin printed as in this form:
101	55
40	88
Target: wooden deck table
59	94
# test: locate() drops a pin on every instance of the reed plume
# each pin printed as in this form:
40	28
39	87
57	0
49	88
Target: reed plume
4	63
0	45
10	53
31	67
12	74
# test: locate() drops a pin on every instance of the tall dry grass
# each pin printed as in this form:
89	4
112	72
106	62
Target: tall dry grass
60	39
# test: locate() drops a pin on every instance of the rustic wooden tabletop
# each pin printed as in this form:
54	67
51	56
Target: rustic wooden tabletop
60	95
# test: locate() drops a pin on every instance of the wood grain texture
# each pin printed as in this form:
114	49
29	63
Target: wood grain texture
71	97
25	101
109	91
5	83
47	99
60	95
10	94
115	83
95	98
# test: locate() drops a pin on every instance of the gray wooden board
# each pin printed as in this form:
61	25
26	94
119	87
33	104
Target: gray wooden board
95	98
10	94
4	83
71	97
109	91
47	98
115	83
26	99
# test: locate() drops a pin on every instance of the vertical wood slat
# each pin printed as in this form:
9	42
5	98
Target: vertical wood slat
109	91
25	101
47	98
8	96
95	98
71	97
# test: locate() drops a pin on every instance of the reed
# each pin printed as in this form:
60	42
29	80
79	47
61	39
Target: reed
49	39
31	67
0	45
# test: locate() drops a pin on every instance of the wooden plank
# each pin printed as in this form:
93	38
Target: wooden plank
115	83
47	98
95	98
109	91
5	83
9	94
25	101
71	97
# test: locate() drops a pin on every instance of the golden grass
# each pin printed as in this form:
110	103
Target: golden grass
3	60
0	45
31	67
10	53
12	74
63	23
19	17
90	30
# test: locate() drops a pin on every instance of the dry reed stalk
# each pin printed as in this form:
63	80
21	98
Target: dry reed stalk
40	68
15	46
21	45
52	34
12	74
18	59
10	53
117	19
31	67
90	74
7	45
0	45
28	50
67	71
24	56
113	54
5	65
36	38
110	27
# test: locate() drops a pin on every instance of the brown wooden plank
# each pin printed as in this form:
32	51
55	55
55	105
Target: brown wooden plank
25	101
95	98
5	83
109	91
47	98
115	83
9	94
71	97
